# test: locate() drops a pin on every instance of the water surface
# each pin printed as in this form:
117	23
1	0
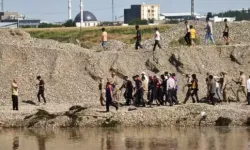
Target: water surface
205	138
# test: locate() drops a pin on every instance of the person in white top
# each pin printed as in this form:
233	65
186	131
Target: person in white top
157	39
248	91
171	87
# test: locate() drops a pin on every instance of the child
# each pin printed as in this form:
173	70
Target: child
193	35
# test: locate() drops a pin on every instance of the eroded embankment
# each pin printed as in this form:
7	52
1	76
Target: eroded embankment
78	116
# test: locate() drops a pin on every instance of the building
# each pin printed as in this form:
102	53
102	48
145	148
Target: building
20	20
89	20
178	16
217	19
143	12
8	25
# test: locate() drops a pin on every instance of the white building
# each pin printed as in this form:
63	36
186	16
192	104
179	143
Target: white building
150	11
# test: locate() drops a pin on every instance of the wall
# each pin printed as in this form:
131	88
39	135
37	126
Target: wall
88	24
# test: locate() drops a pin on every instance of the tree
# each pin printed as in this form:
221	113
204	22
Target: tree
209	15
138	22
69	23
48	25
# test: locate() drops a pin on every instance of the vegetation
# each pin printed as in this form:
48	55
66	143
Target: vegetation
48	25
138	22
89	37
69	23
240	15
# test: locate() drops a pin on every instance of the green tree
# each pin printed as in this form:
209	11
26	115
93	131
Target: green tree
69	23
48	25
138	22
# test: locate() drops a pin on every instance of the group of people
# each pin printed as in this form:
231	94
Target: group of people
191	33
145	90
190	36
15	92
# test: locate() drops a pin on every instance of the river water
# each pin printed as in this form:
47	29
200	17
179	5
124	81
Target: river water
204	138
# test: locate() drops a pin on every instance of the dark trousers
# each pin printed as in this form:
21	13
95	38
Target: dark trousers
41	93
248	98
157	43
211	98
188	38
188	94
171	96
110	102
175	96
194	95
139	98
138	44
128	95
15	102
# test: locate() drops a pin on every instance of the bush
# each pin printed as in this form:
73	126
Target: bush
138	22
69	23
181	41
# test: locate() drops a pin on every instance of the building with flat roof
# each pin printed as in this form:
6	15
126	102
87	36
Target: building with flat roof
178	16
143	12
20	20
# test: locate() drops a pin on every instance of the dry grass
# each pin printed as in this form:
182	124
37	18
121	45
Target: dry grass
90	37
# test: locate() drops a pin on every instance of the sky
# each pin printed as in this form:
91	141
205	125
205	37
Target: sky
57	10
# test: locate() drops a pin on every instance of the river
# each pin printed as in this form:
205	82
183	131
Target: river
190	138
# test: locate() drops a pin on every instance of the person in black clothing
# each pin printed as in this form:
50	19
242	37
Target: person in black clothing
128	94
188	34
109	97
138	38
188	85
150	90
226	32
164	89
139	92
41	89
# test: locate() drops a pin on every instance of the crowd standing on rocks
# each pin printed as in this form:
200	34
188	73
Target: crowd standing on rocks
163	90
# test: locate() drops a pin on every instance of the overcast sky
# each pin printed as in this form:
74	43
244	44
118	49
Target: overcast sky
57	10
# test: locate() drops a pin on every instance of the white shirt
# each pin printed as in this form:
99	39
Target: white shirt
171	84
187	28
248	85
157	36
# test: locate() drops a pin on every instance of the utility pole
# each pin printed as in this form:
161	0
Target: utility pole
113	10
192	9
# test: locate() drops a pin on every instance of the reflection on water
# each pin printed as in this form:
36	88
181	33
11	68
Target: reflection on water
221	138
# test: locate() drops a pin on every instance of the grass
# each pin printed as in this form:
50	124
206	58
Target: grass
89	37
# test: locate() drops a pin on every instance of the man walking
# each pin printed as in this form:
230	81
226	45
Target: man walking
225	86
209	32
41	89
138	38
171	89
192	89
211	89
226	32
102	91
109	97
242	85
248	91
128	94
14	89
104	39
188	35
157	39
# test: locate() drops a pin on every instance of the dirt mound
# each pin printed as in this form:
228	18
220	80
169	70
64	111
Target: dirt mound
71	73
239	33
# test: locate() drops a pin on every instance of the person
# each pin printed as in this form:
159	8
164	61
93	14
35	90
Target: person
113	80
151	91
226	32
128	94
211	89
248	91
209	32
157	39
102	91
242	85
218	82
193	35
188	35
171	87
109	97
143	74
176	88
195	88
138	92
104	38
145	88
138	38
225	86
188	85
14	89
166	75
164	89
41	89
192	89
